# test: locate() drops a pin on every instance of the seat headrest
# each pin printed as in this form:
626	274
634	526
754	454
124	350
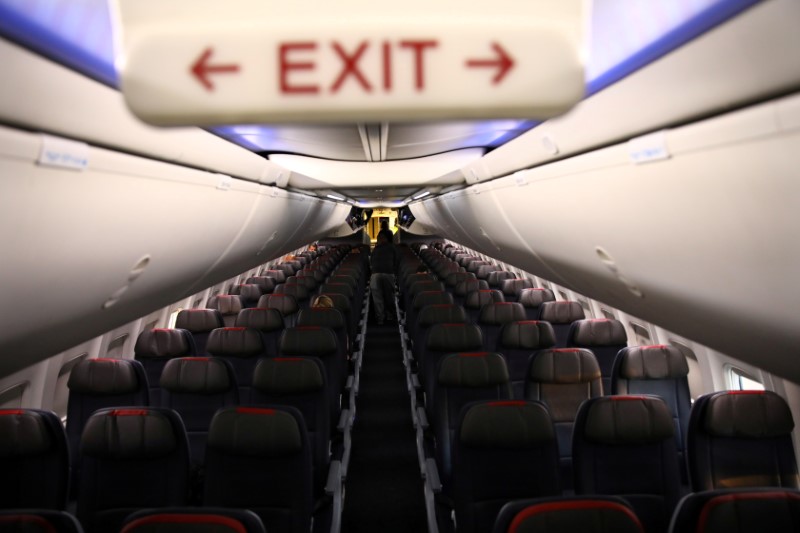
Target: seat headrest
484	271
278	275
340	301
561	312
506	424
300	292
235	342
199	320
266	283
264	319
160	342
226	304
104	376
473	369
426	298
455	338
424	286
441	313
748	414
24	433
595	515
454	278
324	317
527	335
177	520
128	433
477	299
496	313
534	297
652	362
247	291
308	340
513	286
776	509
196	375
285	303
598	332
37	521
564	365
255	432
496	278
628	420
288	375
467	286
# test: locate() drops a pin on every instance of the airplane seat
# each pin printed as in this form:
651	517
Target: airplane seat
285	303
475	300
484	271
422	300
287	267
494	315
267	321
518	341
562	379
503	451
474	264
772	509
625	446
467	286
512	287
278	275
344	289
741	439
327	317
418	287
659	370
532	298
463	258
228	306
435	314
28	520
241	347
353	281
344	306
444	339
200	323
266	283
454	278
309	282
195	387
34	459
248	293
415	277
201	519
299	292
155	347
605	337
310	272
300	382
495	279
587	514
259	458
561	314
131	458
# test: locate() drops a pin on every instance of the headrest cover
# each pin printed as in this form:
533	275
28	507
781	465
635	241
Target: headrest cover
300	292
455	338
163	343
196	375
453	278
324	317
475	264
278	275
25	521
628	420
426	298
235	342
562	312
307	340
598	332
264	319
477	299
266	283
104	376
513	425
562	366
248	291
527	335
253	431
468	285
441	314
776	509
748	414
473	369
285	303
496	278
288	375
653	362
513	286
181	522
535	297
484	271
199	320
588	515
128	433
24	433
226	304
496	313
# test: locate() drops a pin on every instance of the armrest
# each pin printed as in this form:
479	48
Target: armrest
432	475
344	421
415	381
334	482
422	418
349	383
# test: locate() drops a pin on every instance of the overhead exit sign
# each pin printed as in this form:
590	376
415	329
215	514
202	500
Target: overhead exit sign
207	62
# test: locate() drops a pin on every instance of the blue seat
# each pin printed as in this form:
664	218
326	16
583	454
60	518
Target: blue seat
154	347
475	300
605	337
241	347
746	510
532	298
511	288
561	315
183	519
518	341
494	315
268	322
587	514
200	323
38	521
228	306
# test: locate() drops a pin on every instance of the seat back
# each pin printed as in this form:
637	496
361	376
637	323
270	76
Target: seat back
467	286
195	387
495	279
593	514
504	451
38	521
327	317
249	293
561	315
285	303
605	337
34	459
434	314
200	323
259	458
183	519
296	290
268	322
494	315
278	275
241	347
444	339
625	446
532	298
228	306
518	341
512	287
562	379
154	347
131	458
741	439
474	301
266	283
454	278
484	271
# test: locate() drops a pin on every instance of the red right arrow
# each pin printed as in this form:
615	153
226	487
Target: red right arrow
201	69
503	62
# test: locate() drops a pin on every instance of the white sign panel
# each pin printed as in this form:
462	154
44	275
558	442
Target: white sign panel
202	62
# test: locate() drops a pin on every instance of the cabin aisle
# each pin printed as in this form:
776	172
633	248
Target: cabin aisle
384	489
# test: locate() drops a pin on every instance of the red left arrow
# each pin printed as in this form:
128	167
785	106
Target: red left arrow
201	69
